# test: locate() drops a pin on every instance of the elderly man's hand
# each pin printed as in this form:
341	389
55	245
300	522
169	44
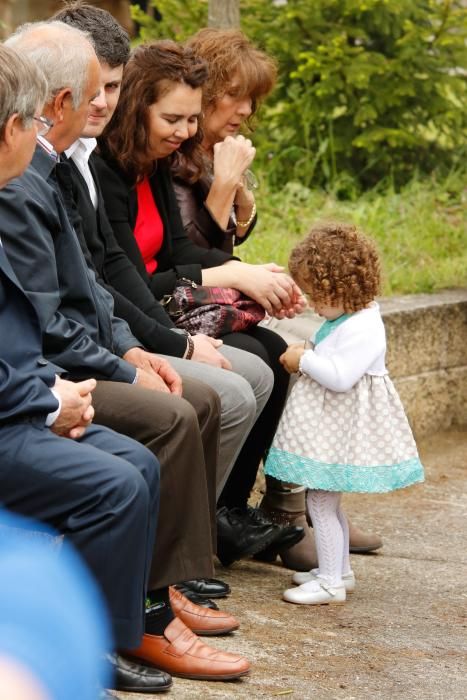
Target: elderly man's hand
76	411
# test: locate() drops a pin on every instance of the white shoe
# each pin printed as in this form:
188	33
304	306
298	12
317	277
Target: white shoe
300	577
320	593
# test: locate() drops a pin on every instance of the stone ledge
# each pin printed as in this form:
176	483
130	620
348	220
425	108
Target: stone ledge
427	354
426	332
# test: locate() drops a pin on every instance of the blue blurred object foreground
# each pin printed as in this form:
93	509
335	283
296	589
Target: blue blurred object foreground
53	621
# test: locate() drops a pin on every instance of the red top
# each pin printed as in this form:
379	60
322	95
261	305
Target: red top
149	229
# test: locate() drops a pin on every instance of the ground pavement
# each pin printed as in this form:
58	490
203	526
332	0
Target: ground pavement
402	634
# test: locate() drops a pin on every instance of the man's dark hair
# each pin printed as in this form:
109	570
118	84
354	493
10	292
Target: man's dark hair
111	41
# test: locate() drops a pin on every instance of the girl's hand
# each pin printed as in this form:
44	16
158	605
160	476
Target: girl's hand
290	359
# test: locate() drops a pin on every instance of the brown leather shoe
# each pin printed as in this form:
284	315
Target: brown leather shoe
181	653
199	620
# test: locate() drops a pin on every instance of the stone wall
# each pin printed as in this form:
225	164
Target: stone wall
427	354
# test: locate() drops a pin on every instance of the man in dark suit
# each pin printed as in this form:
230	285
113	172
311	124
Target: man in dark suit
80	334
98	488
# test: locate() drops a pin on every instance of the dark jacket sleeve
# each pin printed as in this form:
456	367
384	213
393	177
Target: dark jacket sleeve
25	375
135	303
178	257
145	316
23	395
199	224
133	300
28	228
155	336
120	204
121	337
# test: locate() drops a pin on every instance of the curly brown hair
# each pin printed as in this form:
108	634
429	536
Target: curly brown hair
150	74
229	53
337	265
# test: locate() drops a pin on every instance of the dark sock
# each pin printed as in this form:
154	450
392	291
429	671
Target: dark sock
159	612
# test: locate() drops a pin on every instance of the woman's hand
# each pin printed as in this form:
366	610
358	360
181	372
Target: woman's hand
273	290
298	302
232	157
267	284
154	372
206	351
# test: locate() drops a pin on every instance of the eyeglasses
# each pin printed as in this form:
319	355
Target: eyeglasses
44	125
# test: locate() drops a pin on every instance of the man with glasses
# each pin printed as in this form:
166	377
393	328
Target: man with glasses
43	125
98	488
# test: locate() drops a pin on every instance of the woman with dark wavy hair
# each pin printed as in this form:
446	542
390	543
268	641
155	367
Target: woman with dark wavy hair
156	118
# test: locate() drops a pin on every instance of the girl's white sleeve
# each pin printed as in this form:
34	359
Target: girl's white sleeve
347	362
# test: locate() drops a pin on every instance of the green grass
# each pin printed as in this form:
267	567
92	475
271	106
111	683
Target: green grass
421	231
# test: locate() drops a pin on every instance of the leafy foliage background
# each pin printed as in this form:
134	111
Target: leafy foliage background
368	89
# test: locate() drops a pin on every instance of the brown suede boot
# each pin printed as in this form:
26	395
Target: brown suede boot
286	508
362	542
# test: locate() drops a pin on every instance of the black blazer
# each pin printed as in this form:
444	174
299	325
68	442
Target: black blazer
25	376
178	256
134	301
78	331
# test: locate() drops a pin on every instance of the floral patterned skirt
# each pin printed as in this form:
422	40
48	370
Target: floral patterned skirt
358	440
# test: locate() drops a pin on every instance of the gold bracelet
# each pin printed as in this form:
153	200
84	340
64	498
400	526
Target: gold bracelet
245	224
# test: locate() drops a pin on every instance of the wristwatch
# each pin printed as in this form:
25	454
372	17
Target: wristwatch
190	346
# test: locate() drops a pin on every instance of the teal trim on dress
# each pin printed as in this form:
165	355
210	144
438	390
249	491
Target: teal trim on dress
328	326
314	474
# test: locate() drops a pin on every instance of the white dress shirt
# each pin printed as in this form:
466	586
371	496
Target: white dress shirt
79	153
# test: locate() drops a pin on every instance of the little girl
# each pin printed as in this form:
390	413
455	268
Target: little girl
343	427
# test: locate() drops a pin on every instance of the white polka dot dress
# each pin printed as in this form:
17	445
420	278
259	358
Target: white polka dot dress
346	438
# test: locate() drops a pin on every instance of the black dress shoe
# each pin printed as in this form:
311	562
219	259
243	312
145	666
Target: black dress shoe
208	587
238	535
286	535
133	677
194	597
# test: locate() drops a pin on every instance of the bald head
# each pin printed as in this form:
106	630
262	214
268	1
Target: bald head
63	53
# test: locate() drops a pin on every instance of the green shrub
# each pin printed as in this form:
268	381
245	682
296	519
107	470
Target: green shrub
368	89
177	19
371	88
421	230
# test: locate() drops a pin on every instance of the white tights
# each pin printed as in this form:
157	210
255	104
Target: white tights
331	532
